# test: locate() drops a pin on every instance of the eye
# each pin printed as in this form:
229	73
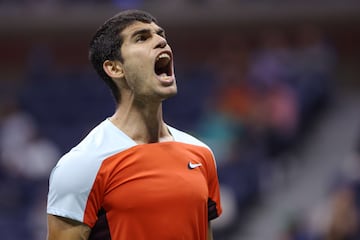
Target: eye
162	34
141	38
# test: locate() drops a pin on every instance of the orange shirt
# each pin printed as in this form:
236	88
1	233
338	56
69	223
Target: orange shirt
124	191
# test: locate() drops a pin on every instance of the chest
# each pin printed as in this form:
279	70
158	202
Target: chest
147	177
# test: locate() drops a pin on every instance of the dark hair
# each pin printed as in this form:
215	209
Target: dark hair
107	41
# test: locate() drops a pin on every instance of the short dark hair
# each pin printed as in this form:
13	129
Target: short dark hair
107	41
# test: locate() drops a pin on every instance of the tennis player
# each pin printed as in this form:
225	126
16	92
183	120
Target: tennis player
133	176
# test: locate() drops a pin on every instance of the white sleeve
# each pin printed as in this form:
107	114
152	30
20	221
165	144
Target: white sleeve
70	184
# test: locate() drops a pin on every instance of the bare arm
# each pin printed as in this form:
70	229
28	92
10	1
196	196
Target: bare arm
60	228
210	235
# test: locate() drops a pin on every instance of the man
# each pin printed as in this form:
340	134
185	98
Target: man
133	176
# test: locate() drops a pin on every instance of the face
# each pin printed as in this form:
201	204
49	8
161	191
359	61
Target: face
147	62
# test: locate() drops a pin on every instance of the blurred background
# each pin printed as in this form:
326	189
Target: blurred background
271	86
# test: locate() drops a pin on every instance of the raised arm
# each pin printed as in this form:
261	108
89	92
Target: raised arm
60	228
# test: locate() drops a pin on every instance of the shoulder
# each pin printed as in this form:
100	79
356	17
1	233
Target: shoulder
102	141
82	162
73	177
181	136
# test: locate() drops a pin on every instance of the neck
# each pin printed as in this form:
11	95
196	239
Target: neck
142	122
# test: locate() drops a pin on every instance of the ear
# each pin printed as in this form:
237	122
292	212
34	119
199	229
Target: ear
113	69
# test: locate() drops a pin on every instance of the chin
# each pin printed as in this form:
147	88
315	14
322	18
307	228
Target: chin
169	92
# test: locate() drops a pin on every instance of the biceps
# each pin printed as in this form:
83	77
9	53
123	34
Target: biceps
60	228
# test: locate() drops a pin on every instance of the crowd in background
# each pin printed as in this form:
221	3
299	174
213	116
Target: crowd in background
337	217
252	104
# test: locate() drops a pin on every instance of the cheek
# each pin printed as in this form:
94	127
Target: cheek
137	66
136	76
138	70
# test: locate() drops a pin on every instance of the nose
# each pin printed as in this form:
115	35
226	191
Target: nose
161	42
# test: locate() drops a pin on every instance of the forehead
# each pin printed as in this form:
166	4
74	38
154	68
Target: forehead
138	26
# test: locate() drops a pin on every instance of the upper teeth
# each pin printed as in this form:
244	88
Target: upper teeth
163	55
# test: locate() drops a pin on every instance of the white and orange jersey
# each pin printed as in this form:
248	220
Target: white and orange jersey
124	190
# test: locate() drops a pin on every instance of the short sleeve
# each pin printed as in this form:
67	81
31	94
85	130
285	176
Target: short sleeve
70	184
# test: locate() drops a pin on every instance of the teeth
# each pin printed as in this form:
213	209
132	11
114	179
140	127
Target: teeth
164	77
163	55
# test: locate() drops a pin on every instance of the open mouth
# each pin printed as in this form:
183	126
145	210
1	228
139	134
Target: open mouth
163	65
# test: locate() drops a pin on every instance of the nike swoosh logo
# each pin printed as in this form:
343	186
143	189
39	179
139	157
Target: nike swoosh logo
193	165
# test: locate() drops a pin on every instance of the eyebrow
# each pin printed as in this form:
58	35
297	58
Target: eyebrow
159	31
